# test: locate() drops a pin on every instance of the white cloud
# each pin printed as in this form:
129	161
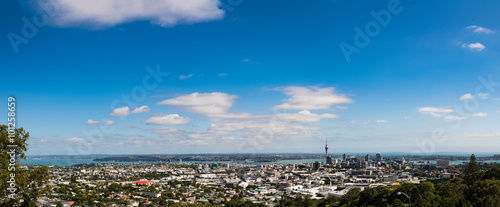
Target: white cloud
342	107
209	104
223	74
141	109
169	132
252	128
306	116
435	111
110	122
478	29
310	98
483	95
75	140
369	122
302	116
245	60
90	121
182	77
165	130
453	117
218	105
474	136
123	111
479	114
169	119
466	96
108	13
476	47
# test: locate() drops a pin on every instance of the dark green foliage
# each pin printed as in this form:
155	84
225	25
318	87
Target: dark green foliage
475	188
29	185
397	203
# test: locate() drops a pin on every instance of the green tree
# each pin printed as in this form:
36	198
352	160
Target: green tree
472	168
28	186
397	203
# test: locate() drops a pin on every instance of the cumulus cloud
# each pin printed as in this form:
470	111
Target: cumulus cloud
110	122
435	111
454	117
169	119
310	98
182	77
342	107
165	130
141	109
466	96
369	122
231	129
209	104
108	13
218	105
302	116
75	140
123	111
306	116
476	47
479	29
483	95
168	132
90	121
480	114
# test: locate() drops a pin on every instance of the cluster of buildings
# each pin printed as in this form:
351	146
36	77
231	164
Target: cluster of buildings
217	183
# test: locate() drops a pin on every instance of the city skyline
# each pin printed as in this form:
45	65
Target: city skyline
253	76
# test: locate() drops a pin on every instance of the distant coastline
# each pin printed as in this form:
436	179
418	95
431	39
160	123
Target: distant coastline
234	158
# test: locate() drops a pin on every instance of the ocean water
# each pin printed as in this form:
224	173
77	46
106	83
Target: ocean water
69	162
58	162
66	162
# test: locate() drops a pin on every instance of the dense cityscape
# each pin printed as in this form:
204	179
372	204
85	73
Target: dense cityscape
240	183
249	103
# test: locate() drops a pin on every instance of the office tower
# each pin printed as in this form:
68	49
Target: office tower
329	160
316	165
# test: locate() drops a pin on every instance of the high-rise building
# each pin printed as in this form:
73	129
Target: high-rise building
367	157
326	150
316	165
378	158
329	160
344	157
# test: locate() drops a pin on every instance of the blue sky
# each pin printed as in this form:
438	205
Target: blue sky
253	76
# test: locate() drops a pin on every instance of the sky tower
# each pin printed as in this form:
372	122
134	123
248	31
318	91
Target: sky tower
326	149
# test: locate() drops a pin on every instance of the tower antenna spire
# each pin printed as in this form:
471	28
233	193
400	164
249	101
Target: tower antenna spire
326	148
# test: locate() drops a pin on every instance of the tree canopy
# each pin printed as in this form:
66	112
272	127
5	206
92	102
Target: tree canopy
28	185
